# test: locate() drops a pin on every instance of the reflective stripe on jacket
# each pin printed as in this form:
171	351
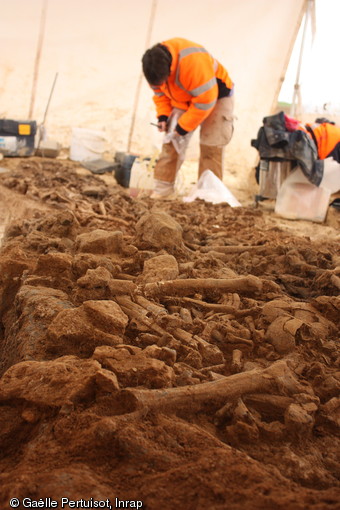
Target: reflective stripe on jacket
192	84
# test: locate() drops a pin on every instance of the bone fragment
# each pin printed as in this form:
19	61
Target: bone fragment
233	249
213	368
269	404
217	307
150	306
278	377
140	319
125	276
228	337
185	315
118	287
102	209
191	286
236	364
335	280
138	316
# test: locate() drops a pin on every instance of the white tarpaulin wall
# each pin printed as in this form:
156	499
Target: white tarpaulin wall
96	46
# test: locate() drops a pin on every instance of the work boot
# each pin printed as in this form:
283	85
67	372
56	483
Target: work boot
159	196
163	190
211	158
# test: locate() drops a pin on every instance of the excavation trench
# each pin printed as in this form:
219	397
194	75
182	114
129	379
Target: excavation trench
176	354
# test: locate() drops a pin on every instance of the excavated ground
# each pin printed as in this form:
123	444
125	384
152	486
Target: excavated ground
182	355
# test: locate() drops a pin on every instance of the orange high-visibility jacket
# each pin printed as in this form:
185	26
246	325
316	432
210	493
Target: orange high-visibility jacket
326	137
193	84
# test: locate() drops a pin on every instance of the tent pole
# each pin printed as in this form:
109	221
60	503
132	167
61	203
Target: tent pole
42	131
37	57
297	92
139	83
288	57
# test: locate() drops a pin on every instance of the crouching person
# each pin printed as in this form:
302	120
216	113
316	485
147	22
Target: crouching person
191	89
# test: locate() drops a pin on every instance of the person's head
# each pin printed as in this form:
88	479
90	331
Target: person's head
156	64
323	120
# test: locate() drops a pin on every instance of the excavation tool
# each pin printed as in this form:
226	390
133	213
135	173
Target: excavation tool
46	147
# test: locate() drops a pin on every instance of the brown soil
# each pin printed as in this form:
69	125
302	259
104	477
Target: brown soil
182	355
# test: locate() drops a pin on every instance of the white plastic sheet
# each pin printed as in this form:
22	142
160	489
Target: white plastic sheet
211	189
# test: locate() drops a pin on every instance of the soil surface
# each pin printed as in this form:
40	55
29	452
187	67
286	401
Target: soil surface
168	354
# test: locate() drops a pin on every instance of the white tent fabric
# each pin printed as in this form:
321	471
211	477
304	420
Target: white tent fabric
96	46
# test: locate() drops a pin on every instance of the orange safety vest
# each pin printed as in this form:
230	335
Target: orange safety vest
326	137
192	84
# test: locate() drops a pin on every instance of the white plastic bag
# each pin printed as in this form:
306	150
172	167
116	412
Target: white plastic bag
331	175
87	144
211	189
179	142
298	199
141	176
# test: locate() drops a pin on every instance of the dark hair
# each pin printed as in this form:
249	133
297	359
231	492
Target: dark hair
323	120
156	64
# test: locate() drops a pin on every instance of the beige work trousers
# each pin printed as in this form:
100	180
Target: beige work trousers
215	133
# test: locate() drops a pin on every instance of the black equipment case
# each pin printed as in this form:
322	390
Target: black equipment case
17	137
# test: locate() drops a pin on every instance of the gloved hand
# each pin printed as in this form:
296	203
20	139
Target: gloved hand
162	126
163	123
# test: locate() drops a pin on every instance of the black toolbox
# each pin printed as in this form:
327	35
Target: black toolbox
17	137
